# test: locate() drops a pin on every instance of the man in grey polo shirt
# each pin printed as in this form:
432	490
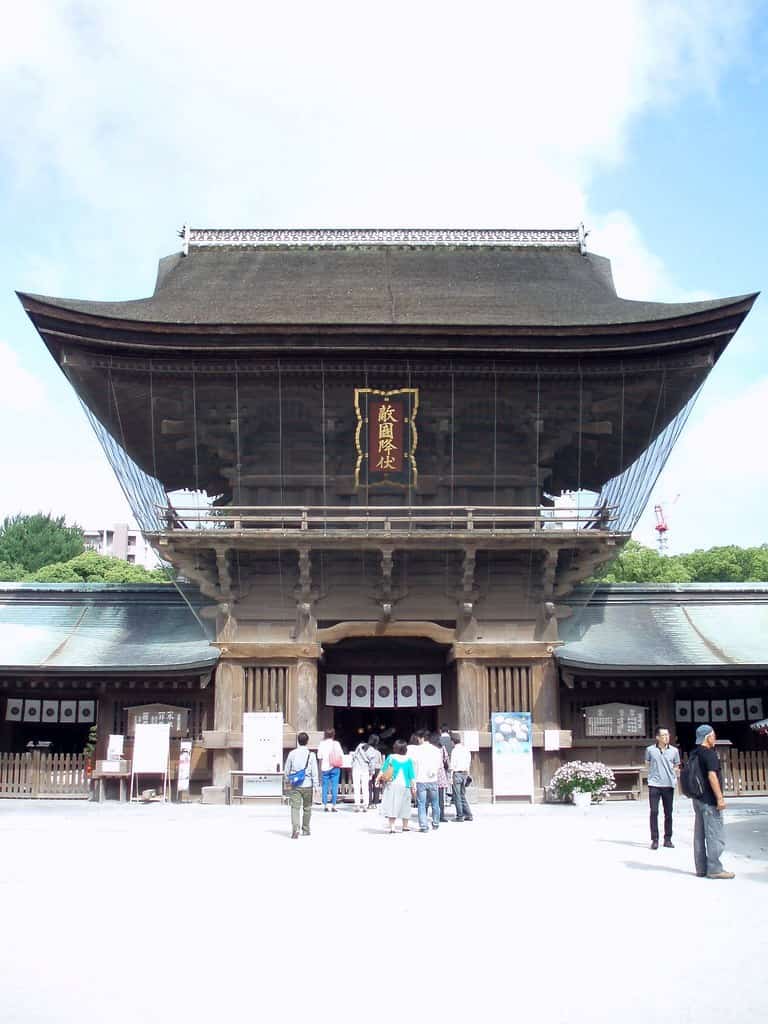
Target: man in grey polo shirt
663	762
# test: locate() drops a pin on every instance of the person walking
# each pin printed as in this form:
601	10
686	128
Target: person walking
302	778
398	779
663	762
364	758
429	759
376	759
442	772
461	760
331	757
709	830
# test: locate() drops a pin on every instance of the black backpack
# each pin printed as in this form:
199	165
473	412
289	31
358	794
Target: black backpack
692	778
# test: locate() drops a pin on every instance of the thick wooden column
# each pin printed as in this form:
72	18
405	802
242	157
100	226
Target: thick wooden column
545	705
303	709
227	715
473	711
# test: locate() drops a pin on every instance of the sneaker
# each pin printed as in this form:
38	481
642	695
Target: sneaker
458	819
654	844
325	809
333	809
669	844
294	835
306	832
722	874
469	819
423	830
435	826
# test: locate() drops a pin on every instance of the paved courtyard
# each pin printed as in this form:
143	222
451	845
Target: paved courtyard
186	913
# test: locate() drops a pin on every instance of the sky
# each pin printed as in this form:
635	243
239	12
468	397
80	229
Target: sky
121	122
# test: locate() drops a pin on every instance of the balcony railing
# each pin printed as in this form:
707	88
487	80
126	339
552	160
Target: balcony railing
388	519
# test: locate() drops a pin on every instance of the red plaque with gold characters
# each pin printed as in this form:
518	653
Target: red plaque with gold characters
386	437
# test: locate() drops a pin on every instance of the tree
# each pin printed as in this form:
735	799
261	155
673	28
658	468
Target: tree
92	568
11	573
32	541
730	564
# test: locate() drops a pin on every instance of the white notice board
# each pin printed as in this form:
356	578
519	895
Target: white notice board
150	749
262	742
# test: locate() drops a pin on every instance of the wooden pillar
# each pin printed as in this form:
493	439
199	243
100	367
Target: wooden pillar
227	715
473	710
545	705
303	708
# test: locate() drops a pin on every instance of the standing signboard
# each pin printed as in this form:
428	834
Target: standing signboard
151	755
512	753
185	760
263	754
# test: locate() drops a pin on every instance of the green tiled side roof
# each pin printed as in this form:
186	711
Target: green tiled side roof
100	628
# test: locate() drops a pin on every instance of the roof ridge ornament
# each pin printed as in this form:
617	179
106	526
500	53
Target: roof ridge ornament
204	238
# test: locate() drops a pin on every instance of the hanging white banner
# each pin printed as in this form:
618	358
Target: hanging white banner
737	709
14	709
383	691
50	711
683	710
406	694
31	710
115	748
86	711
701	711
431	690
336	691
754	708
719	711
68	712
512	753
360	691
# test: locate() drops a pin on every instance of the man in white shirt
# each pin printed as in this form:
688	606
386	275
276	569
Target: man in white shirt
427	763
301	759
461	760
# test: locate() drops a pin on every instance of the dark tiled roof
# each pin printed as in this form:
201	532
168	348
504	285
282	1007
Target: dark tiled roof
443	285
671	627
100	628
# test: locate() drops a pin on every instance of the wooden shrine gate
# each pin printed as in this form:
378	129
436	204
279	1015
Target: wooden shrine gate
44	776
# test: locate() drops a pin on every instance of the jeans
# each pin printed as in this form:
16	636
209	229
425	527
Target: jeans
463	810
300	799
360	776
424	790
708	838
666	795
331	785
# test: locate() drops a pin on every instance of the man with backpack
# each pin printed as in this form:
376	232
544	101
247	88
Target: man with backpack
301	779
702	781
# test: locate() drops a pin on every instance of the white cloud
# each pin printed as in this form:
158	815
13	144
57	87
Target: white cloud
720	471
21	391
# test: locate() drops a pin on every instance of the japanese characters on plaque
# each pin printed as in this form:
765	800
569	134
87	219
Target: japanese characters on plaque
159	714
614	720
386	437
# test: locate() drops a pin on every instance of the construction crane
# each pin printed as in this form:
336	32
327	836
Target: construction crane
662	529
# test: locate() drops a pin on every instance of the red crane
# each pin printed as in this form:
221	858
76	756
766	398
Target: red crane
662	529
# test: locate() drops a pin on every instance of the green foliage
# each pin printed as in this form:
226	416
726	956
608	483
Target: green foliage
731	564
93	738
11	573
93	568
32	541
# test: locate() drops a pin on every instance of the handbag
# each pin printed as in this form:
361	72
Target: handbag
386	774
467	781
337	756
296	779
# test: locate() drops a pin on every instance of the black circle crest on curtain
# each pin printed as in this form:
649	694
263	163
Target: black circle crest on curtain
406	691
337	690
383	691
360	691
430	690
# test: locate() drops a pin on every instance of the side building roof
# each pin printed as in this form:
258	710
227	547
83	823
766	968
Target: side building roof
633	628
101	628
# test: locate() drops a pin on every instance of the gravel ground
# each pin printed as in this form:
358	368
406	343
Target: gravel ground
145	913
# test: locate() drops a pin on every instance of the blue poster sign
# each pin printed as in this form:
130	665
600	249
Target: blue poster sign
512	753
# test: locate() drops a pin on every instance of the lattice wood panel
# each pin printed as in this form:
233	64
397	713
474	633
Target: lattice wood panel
265	688
509	687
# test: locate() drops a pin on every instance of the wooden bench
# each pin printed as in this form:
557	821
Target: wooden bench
633	774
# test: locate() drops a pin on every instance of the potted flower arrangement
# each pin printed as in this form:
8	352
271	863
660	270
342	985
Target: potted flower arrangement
593	779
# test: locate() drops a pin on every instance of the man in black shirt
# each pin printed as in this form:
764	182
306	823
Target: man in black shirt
708	835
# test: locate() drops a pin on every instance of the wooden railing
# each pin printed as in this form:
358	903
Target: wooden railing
409	519
39	775
745	773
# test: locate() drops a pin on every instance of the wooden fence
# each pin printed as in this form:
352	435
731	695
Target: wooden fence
44	776
745	773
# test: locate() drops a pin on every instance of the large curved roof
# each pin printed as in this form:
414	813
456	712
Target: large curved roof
495	286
